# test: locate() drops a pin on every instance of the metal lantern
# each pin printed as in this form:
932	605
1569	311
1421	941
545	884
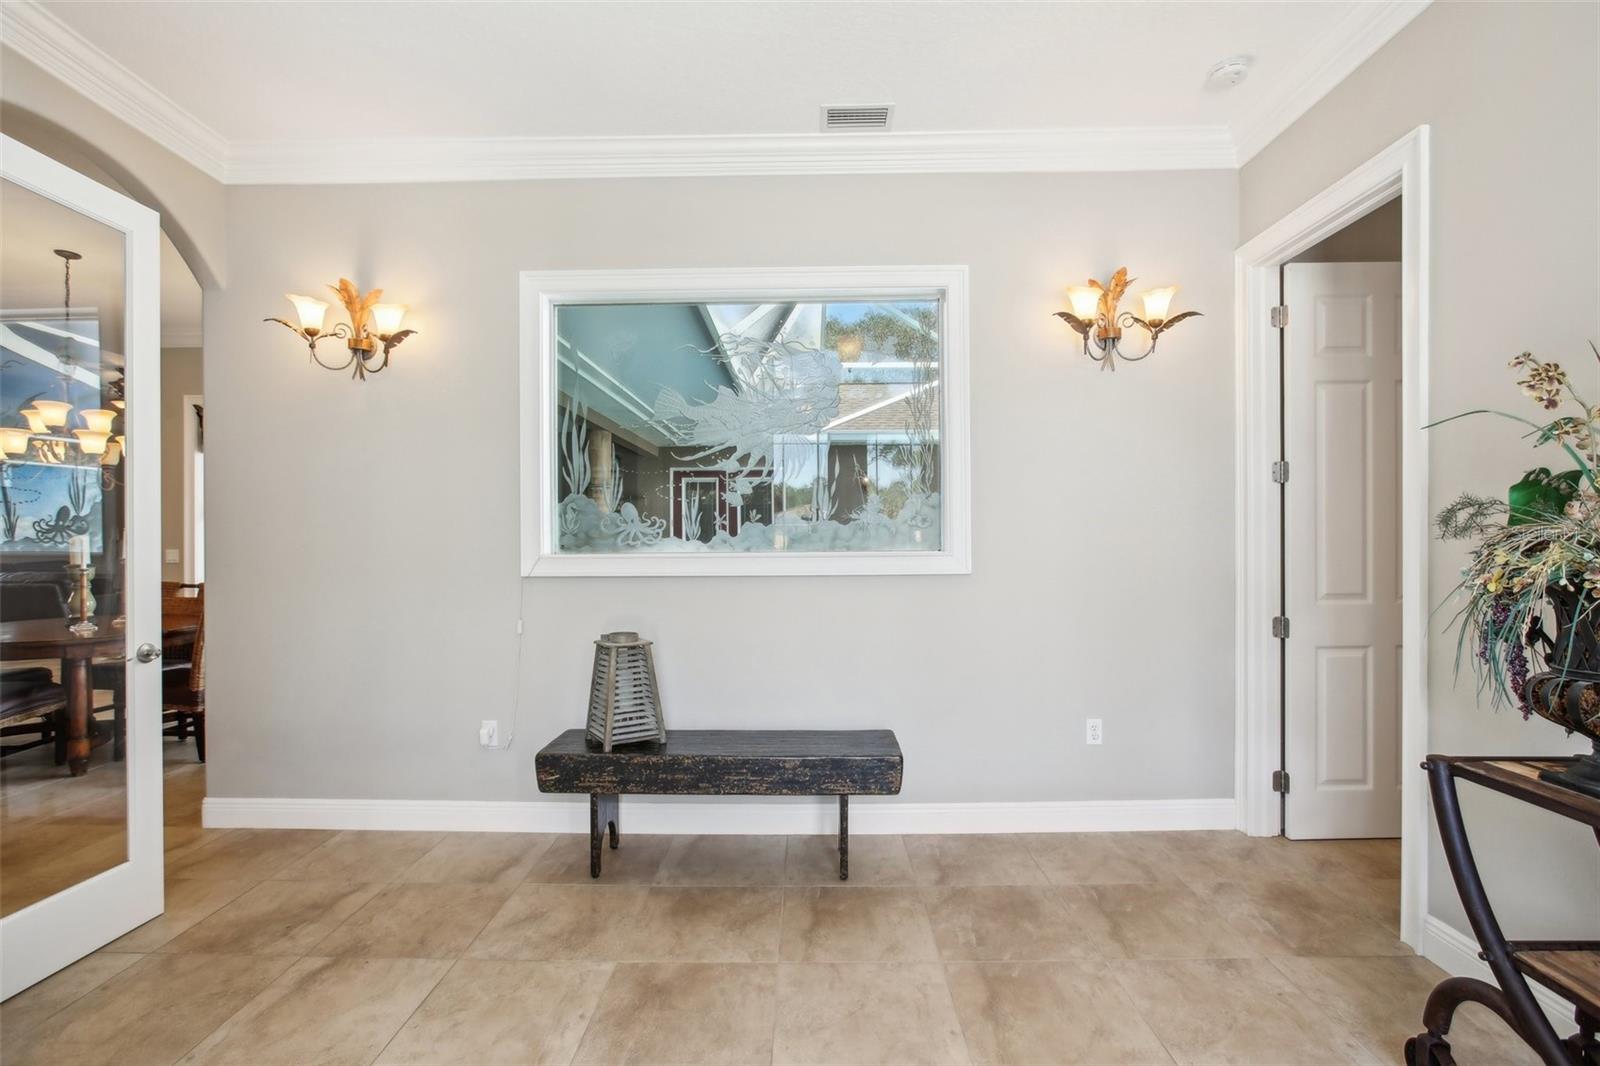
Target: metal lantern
624	699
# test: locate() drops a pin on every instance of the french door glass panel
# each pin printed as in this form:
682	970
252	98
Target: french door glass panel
80	780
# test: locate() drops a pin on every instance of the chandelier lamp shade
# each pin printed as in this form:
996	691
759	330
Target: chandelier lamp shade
371	334
1096	316
54	432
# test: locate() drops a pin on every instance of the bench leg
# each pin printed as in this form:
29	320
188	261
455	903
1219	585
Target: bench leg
603	817
844	838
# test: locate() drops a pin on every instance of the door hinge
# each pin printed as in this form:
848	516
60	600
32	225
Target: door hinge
1280	627
1280	781
1280	472
1280	316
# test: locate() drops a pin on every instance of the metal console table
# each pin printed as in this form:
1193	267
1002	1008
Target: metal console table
1570	968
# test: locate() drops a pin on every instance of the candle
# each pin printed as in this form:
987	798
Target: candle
78	551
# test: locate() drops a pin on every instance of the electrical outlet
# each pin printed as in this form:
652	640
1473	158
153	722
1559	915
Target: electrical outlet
1093	734
489	733
519	627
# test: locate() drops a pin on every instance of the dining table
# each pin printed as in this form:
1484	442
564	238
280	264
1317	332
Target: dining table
49	638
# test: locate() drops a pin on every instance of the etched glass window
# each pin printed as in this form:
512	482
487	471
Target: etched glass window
747	427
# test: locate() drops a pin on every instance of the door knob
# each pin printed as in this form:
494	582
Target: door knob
147	653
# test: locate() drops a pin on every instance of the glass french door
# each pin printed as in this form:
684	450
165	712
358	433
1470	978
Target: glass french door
80	566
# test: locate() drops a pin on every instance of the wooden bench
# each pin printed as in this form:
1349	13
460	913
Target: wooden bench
723	762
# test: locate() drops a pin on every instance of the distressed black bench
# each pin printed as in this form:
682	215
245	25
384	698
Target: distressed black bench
723	762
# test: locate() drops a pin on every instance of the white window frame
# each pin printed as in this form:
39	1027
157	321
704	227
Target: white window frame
543	291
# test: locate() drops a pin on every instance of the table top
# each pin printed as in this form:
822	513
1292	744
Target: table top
1519	777
42	638
744	744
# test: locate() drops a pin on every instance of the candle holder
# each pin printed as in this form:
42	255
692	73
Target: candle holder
80	604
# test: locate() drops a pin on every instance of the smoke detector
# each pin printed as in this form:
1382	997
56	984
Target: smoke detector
1229	72
856	118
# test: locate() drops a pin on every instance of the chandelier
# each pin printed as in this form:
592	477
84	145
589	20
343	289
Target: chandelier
50	435
1096	318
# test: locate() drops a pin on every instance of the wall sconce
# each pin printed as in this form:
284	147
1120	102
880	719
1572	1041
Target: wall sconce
372	326
1095	316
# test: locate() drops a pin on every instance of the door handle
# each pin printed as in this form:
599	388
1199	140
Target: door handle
147	653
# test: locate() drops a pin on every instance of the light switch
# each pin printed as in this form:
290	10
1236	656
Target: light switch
173	556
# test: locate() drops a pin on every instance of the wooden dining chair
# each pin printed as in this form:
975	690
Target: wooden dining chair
183	683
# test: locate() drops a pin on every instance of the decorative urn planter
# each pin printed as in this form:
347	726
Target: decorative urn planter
1569	695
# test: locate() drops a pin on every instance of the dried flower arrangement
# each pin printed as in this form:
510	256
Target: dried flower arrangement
1534	554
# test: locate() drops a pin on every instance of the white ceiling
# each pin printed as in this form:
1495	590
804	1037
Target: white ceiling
277	91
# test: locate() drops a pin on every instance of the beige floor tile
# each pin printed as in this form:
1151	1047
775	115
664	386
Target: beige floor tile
416	922
1376	899
689	1013
32	1005
1056	1012
1100	858
152	1012
481	858
1205	857
275	918
489	1013
561	922
874	860
360	855
971	860
1377	860
704	925
1309	918
855	925
1380	1001
1235	1011
872	1013
723	860
247	854
566	861
188	902
1173	921
1004	923
325	1011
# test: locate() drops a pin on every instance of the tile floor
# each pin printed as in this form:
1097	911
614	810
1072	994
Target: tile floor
323	947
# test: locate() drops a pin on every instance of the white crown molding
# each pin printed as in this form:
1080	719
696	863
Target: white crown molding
50	44
39	36
521	158
713	815
1366	28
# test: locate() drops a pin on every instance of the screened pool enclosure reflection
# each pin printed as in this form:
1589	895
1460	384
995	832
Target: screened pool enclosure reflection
748	427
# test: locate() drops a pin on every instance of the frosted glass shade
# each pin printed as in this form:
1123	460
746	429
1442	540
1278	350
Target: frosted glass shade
91	441
311	313
98	419
113	452
35	421
386	318
52	412
13	440
1157	302
1084	300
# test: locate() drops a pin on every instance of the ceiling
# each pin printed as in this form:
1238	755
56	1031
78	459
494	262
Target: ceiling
276	91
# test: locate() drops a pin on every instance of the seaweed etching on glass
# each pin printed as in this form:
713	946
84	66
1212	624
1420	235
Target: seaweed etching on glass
799	427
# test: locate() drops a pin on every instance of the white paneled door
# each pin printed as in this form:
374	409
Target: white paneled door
80	367
1342	550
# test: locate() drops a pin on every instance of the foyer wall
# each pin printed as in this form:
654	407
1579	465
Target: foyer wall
1510	91
363	538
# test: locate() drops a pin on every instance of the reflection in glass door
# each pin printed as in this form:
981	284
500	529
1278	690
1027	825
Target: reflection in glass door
80	774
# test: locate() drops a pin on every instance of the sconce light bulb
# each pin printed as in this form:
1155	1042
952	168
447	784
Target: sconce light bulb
1085	301
1157	303
386	318
310	312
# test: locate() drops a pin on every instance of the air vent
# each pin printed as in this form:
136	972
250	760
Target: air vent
860	117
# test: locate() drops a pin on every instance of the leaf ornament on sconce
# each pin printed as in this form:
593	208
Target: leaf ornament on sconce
1095	316
371	334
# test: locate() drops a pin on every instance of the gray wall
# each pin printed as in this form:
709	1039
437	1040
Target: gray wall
181	375
1510	91
363	542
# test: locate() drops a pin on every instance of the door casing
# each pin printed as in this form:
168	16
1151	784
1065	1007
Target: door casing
1399	170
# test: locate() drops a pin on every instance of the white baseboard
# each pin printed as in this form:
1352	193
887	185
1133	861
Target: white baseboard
720	815
1456	953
